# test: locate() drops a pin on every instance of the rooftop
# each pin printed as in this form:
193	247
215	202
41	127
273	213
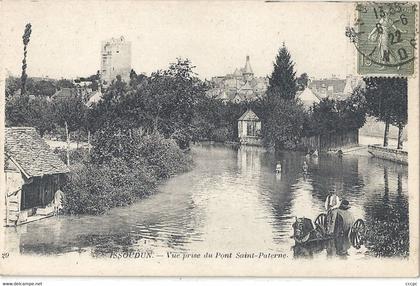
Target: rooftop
25	147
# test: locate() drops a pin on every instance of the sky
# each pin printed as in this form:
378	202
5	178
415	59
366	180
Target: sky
216	36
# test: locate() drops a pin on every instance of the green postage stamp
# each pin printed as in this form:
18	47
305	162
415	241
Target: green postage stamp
385	38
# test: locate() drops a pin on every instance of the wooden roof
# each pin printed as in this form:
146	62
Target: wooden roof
32	155
249	115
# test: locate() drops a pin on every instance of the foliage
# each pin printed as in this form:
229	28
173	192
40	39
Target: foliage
16	110
282	82
282	116
21	110
42	88
40	115
388	238
25	38
118	174
69	110
302	81
162	103
331	116
386	99
284	123
77	156
220	134
12	86
64	83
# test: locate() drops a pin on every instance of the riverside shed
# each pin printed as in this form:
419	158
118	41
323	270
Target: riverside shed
33	174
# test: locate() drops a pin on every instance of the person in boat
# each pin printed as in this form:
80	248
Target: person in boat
278	168
332	203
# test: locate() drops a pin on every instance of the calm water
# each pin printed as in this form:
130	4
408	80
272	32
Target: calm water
232	200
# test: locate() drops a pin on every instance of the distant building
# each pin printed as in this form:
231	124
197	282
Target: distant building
115	59
249	129
241	85
65	92
93	98
88	96
334	87
307	97
33	174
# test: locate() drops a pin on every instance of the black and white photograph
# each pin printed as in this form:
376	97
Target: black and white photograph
209	138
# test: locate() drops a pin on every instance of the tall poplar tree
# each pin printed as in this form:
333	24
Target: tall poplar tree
26	37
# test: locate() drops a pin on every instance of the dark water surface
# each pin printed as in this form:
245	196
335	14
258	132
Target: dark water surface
233	201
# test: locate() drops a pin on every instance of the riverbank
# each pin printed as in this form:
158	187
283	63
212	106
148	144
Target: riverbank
391	154
104	180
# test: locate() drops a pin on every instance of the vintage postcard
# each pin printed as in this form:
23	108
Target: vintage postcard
209	138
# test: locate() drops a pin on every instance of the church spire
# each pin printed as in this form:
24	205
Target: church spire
248	69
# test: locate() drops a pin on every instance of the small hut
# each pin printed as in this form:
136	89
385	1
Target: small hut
249	129
33	174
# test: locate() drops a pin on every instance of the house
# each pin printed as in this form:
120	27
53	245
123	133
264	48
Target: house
249	129
93	98
334	87
33	174
308	98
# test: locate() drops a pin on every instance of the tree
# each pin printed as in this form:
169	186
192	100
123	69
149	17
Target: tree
16	110
302	81
282	117
40	115
399	115
43	88
12	86
386	99
26	37
174	93
284	125
282	82
21	110
331	116
64	83
69	112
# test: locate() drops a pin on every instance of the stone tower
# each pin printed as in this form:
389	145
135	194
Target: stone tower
115	59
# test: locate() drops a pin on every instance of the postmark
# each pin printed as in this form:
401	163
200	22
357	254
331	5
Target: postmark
385	38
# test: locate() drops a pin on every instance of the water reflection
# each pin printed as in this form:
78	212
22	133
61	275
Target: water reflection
233	201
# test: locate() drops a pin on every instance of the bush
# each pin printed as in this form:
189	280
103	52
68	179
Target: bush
388	236
220	134
76	155
96	186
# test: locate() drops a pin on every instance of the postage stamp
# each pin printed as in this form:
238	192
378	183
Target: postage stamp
386	38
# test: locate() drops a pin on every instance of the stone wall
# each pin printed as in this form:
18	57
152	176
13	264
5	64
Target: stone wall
396	155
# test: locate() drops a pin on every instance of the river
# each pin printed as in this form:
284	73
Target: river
232	200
